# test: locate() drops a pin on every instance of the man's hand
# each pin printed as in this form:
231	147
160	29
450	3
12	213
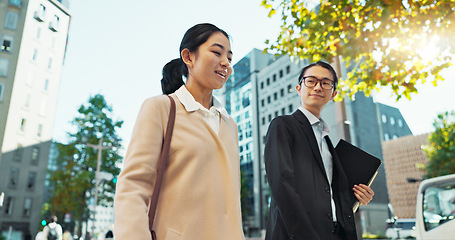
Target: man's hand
363	193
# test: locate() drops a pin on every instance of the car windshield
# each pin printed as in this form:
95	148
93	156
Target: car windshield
438	204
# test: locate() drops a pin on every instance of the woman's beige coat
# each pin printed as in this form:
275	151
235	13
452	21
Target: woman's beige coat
200	194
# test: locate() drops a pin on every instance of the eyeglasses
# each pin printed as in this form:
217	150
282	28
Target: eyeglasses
311	82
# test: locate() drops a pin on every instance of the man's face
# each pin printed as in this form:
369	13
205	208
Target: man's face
315	98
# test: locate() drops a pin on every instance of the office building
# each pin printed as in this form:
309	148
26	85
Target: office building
33	39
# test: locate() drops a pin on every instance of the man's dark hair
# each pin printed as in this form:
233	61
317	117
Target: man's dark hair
324	65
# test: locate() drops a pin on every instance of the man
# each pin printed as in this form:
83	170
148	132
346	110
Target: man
52	230
311	198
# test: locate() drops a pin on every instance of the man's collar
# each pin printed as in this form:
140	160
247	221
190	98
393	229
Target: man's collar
313	119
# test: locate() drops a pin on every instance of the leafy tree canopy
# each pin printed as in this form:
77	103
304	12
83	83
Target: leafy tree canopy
441	148
384	43
74	178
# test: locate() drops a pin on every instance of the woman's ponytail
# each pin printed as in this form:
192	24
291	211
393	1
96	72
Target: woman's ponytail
172	76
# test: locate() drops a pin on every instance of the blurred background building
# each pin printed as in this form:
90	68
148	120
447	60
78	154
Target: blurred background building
403	177
33	39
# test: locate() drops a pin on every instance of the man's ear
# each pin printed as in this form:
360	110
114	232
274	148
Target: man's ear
187	57
297	87
333	94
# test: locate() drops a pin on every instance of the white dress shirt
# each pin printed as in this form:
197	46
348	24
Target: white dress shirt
322	129
212	116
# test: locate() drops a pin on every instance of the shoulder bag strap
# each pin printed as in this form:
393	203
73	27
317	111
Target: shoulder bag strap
161	166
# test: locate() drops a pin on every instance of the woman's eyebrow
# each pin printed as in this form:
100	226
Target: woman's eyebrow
221	46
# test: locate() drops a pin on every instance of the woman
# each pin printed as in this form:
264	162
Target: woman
200	193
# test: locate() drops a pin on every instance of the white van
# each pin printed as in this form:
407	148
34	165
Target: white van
435	209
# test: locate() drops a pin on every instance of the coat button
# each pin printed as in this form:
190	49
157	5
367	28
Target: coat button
329	215
327	190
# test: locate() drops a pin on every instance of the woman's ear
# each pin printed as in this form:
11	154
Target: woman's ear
187	57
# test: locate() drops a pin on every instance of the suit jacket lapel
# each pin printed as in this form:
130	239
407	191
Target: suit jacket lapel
306	126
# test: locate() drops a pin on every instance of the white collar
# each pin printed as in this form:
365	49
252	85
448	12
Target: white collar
191	105
314	120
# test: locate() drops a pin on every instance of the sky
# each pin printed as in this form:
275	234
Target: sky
118	48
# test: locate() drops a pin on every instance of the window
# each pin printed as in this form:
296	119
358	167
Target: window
39	132
35	155
7	43
263	120
27	206
2	86
268	99
290	108
35	54
274	77
54	24
289	88
438	206
384	118
270	117
268	81
13	177
4	64
31	180
282	92
17	156
23	122
400	122
11	20
40	13
392	121
288	69
46	85
38	33
283	111
275	96
276	113
246	99
386	137
8	207
262	85
49	65
262	102
16	3
281	73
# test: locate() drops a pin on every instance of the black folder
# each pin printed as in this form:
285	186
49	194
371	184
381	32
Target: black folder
359	166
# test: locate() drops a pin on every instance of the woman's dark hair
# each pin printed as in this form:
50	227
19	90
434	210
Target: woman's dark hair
324	65
175	69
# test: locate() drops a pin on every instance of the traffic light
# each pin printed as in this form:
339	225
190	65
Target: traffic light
114	180
43	222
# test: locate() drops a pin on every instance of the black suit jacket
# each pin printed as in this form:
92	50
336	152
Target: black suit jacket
301	204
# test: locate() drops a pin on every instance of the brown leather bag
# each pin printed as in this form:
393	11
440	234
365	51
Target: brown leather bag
161	166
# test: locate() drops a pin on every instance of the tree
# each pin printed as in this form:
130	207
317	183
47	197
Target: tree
441	148
384	43
74	179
